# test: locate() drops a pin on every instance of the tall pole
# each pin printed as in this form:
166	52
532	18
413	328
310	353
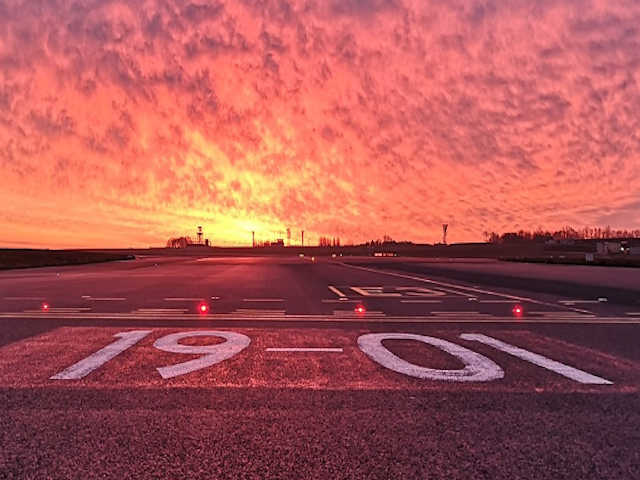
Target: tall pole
303	238
253	238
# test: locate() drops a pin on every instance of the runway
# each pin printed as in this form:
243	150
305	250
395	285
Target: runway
318	368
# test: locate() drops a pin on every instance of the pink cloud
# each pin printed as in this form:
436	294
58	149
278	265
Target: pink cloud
357	118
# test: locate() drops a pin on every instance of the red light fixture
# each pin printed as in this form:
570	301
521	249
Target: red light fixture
518	311
203	308
45	307
360	309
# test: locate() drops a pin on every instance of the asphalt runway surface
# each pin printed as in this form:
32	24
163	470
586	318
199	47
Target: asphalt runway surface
296	368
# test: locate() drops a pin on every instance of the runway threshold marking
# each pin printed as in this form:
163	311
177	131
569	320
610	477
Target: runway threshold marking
461	287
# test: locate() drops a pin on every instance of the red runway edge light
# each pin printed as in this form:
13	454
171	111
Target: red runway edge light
518	310
203	308
45	307
360	309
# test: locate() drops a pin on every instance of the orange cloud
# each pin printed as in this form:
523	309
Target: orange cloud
124	123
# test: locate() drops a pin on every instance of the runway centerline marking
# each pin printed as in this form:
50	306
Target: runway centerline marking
263	299
420	301
497	301
303	349
461	287
184	299
88	298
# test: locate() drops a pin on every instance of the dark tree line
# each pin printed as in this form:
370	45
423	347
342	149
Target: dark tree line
180	242
565	233
329	242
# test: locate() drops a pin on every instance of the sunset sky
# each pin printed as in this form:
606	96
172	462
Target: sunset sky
124	123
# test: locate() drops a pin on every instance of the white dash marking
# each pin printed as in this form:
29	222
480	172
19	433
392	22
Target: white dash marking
544	362
263	300
18	299
104	299
420	301
183	299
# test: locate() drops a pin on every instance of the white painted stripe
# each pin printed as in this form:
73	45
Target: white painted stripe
339	300
420	301
102	356
453	314
440	284
300	349
497	301
59	310
259	312
544	362
19	299
573	302
336	291
161	314
263	299
423	319
104	299
160	310
633	313
365	293
183	299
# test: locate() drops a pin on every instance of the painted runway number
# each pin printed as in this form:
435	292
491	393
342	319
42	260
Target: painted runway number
102	356
477	367
212	354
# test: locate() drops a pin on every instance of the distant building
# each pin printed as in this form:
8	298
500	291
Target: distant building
607	248
279	243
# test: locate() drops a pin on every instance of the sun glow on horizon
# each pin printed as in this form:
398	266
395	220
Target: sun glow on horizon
125	124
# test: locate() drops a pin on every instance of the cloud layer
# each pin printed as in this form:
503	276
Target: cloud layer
123	123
